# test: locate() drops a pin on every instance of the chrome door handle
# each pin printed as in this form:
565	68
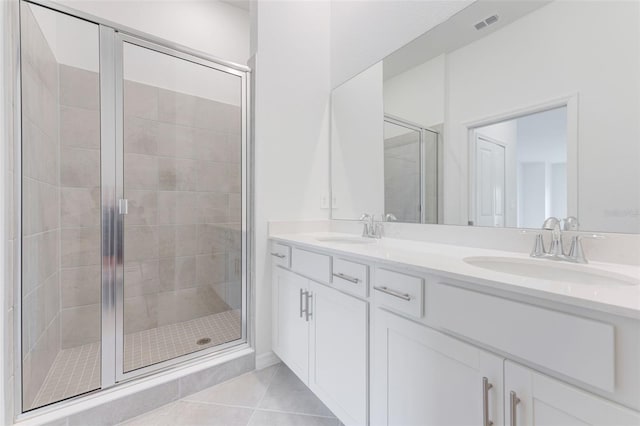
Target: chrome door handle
346	277
394	293
308	312
123	206
513	402
302	293
485	402
278	255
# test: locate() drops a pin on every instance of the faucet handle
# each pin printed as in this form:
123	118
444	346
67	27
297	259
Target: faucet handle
571	223
576	253
538	247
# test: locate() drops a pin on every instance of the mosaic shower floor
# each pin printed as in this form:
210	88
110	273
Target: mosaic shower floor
77	370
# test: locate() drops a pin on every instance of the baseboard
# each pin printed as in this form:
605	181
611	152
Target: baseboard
266	360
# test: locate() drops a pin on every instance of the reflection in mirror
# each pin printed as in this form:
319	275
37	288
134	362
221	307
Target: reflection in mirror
520	170
410	172
535	114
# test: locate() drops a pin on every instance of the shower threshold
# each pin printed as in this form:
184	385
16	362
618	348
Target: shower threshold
77	370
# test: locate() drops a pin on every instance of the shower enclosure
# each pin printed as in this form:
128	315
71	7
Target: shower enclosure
133	205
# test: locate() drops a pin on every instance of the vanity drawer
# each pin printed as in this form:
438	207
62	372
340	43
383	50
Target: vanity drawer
577	347
281	254
350	277
400	292
312	265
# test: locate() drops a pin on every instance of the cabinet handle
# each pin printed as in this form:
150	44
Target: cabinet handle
278	255
513	402
346	277
485	402
390	292
308	312
302	293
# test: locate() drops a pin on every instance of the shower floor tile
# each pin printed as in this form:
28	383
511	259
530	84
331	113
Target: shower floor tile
77	370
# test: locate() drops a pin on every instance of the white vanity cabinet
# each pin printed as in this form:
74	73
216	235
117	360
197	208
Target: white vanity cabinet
533	399
321	334
423	377
290	326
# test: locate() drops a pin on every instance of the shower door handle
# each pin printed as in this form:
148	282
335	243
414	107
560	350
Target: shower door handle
123	206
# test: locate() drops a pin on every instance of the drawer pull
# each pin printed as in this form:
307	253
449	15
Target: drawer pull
513	402
346	277
278	255
485	402
390	292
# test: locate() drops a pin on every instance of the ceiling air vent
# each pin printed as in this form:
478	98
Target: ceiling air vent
490	20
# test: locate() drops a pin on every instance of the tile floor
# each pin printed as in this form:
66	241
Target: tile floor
273	396
77	370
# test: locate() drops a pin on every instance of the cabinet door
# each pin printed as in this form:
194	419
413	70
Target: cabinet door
423	377
542	401
338	351
290	326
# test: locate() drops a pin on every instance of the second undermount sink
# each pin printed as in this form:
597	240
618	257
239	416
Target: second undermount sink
552	270
345	239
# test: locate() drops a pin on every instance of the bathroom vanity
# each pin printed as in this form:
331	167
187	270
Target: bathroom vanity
399	332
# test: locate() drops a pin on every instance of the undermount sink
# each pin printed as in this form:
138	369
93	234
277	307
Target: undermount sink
346	240
552	270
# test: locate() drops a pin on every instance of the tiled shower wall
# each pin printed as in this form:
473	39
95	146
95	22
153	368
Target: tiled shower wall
182	179
41	217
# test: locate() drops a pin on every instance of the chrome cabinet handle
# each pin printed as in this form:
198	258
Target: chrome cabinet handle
513	402
308	312
346	277
390	292
278	255
485	402
302	293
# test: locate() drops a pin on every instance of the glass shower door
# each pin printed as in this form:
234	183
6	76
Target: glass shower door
181	218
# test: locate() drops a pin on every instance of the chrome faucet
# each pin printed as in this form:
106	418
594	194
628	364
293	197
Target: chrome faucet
371	228
556	249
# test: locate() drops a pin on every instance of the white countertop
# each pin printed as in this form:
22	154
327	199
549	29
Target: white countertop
447	260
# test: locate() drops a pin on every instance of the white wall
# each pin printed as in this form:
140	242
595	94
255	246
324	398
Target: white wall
418	94
357	154
522	66
364	32
291	128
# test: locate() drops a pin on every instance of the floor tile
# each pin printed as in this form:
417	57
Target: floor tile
273	418
185	413
246	390
288	393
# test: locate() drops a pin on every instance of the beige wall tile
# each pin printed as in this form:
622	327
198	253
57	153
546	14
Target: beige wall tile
141	313
140	136
79	88
79	127
80	247
177	174
80	207
40	154
213	177
211	145
140	172
141	277
140	243
177	240
177	141
80	168
143	207
80	286
177	272
211	269
176	108
140	100
80	325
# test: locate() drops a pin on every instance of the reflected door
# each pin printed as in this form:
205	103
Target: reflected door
181	220
490	174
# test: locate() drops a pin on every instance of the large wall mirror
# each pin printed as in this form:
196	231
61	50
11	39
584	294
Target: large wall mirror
507	113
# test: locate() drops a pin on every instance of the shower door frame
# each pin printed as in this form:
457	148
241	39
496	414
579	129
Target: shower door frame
119	39
112	36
